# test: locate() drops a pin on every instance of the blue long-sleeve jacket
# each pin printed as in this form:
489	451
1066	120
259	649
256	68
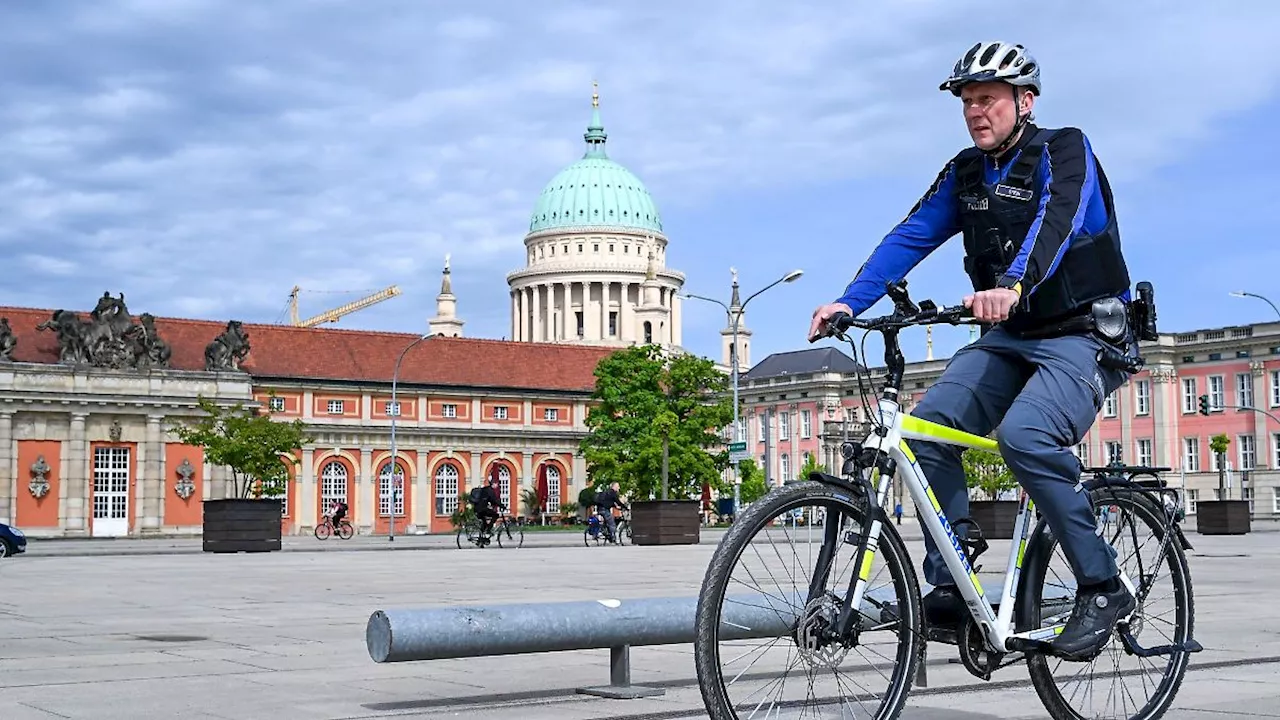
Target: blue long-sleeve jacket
1071	204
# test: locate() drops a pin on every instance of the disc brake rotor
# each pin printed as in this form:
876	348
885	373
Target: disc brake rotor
813	638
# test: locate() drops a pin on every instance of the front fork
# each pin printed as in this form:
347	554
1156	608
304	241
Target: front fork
867	538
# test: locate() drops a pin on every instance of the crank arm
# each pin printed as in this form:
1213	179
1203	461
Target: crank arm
1132	647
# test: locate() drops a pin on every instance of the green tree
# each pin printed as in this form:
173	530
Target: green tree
986	471
810	466
1218	444
647	406
753	487
253	446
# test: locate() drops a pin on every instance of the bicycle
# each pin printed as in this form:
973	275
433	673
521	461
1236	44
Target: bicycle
504	527
597	531
325	529
817	624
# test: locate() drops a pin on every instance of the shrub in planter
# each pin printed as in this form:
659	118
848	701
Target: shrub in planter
987	473
255	448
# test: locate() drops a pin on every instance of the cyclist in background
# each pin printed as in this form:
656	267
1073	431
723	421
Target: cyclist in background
606	501
484	499
1042	251
337	512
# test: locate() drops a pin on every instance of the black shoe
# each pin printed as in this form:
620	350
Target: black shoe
944	606
1093	620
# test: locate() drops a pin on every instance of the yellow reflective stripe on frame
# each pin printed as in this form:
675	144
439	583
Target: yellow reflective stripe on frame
935	431
865	572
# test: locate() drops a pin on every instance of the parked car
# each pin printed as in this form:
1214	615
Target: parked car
12	541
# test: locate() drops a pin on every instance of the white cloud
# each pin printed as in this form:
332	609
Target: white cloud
216	158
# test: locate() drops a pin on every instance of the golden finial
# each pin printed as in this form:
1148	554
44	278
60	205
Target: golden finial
595	94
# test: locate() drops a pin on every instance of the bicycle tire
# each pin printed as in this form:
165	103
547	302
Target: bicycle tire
586	537
517	536
1040	547
323	531
462	529
623	532
345	530
891	551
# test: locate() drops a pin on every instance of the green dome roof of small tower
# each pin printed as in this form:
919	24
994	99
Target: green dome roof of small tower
595	191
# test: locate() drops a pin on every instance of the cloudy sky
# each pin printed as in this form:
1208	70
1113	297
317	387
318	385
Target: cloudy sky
205	156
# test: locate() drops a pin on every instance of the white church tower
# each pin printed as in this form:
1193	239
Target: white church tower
446	321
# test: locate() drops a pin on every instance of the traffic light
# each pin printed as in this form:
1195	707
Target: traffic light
1204	405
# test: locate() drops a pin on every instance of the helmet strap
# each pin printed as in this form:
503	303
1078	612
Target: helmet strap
1017	127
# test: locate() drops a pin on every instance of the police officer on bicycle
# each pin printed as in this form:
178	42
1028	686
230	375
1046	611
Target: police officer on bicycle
1051	288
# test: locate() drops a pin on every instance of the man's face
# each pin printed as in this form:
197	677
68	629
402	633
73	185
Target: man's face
990	112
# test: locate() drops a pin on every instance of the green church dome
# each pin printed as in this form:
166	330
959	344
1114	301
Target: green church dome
595	191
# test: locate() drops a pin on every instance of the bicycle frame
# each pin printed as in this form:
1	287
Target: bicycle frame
997	628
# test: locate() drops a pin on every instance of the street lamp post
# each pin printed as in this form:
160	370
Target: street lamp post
734	319
1242	293
395	460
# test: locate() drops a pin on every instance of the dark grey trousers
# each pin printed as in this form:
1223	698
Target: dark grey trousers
1044	396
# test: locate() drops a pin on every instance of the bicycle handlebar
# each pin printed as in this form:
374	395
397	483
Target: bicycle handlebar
905	314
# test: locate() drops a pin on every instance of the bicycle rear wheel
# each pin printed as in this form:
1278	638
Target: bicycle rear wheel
345	531
1124	685
754	625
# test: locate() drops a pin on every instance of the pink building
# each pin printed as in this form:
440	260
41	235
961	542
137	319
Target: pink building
797	404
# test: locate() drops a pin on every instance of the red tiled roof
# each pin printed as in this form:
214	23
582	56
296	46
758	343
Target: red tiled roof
284	351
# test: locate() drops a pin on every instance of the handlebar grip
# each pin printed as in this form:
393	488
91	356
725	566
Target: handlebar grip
839	322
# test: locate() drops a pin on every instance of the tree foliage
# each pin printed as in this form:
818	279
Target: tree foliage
253	446
753	486
810	466
641	395
986	471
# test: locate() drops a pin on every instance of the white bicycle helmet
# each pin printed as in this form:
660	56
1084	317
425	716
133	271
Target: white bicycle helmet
994	60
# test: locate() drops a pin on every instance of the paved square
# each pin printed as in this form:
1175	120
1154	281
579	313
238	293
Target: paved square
103	631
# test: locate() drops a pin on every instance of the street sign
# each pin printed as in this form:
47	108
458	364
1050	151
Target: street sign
737	447
738	452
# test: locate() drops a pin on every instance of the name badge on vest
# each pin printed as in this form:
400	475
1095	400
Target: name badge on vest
1013	193
974	203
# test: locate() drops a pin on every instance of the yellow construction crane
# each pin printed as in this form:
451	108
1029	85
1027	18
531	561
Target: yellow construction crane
334	314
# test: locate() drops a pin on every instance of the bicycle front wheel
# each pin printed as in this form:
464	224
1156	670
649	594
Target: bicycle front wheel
1114	684
761	645
510	537
323	531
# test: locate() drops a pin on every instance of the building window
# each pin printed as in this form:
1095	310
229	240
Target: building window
500	412
1248	451
1275	443
1217	392
741	430
1244	390
1144	452
1275	388
449	410
551	414
1114	451
504	486
387	490
1247	494
784	464
762	425
1189	401
1191	454
582	332
784	426
1082	453
1109	406
648	332
806	424
334	407
393	408
613	323
446	489
284	498
1192	497
275	404
333	485
1142	394
553	489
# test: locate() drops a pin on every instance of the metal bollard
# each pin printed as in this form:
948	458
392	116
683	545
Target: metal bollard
454	632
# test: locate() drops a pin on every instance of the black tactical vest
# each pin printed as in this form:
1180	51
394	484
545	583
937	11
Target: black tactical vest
995	221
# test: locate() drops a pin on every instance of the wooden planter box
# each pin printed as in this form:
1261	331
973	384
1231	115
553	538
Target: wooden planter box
242	525
665	522
1222	517
995	517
